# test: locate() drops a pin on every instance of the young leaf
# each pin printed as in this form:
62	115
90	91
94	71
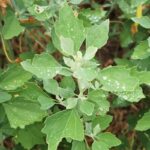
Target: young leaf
67	45
144	123
64	124
12	26
105	141
90	53
44	66
21	112
97	35
14	77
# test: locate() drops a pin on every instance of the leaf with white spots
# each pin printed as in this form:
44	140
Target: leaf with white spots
14	77
44	66
64	124
97	35
22	112
132	96
118	79
70	27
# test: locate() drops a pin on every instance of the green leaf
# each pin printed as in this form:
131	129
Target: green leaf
97	35
86	107
67	45
23	112
25	92
30	136
46	102
44	66
4	96
102	121
71	28
144	123
144	21
64	124
90	53
76	145
141	51
14	77
52	87
132	96
105	141
12	26
68	82
99	97
41	13
76	1
71	103
118	79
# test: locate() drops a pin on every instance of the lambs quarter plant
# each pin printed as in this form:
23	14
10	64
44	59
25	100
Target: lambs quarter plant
67	102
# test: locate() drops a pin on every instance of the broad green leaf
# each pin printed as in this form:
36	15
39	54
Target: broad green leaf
90	53
67	45
144	21
76	145
118	79
144	123
86	107
132	96
99	97
30	136
97	35
4	96
22	112
12	26
102	121
71	28
46	102
14	77
44	66
141	51
64	124
25	92
105	141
